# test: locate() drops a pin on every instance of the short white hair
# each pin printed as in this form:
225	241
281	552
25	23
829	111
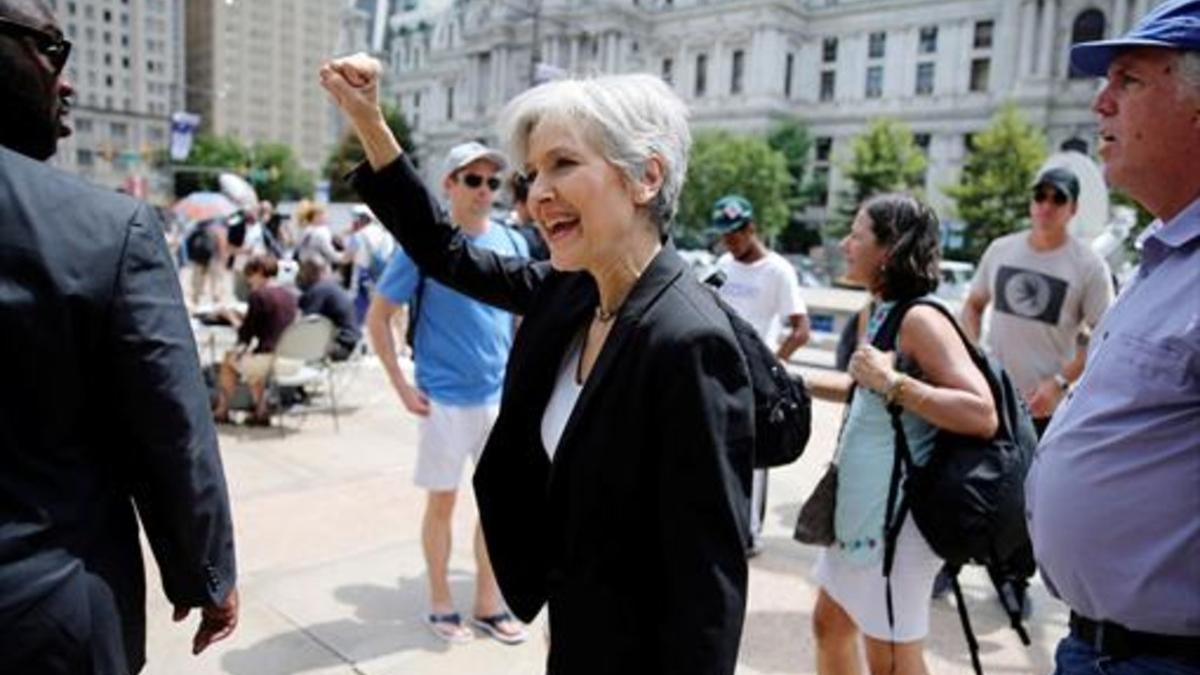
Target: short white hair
1188	71
629	118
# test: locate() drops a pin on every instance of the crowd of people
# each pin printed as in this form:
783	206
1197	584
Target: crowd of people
597	385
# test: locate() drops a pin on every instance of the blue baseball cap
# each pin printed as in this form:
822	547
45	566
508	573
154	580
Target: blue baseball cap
1174	24
731	212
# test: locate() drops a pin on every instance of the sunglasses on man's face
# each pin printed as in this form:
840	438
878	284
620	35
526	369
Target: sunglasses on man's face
56	49
1055	196
474	180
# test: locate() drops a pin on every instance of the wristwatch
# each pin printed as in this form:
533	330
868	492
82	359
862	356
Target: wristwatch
1062	382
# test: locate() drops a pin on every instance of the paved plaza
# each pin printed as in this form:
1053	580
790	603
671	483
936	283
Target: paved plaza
331	572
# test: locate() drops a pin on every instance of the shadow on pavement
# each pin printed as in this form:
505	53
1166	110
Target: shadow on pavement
387	620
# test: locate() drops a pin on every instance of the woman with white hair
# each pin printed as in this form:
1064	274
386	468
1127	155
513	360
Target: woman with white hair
615	483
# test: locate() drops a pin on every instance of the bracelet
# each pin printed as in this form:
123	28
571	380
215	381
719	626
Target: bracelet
895	385
1062	382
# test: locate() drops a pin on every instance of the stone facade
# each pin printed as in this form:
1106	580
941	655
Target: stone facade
942	66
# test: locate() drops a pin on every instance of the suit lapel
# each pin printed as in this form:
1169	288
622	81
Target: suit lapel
663	270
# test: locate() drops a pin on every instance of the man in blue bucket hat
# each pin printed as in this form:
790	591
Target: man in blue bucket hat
1114	512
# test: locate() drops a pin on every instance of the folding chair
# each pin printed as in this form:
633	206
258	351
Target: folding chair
301	358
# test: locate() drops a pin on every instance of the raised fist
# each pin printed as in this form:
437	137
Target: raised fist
353	83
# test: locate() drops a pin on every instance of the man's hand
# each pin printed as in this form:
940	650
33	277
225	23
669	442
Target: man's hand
353	83
414	400
216	621
1043	399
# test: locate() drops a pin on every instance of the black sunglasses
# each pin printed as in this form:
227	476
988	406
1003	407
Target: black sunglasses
474	180
56	49
1057	197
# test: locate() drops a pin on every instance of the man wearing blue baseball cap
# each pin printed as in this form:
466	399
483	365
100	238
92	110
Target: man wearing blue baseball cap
1114	510
761	287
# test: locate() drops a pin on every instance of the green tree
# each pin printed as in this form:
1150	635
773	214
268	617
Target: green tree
210	156
272	168
992	195
884	158
791	139
722	163
349	152
276	173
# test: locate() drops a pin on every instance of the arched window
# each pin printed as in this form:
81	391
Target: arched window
1088	26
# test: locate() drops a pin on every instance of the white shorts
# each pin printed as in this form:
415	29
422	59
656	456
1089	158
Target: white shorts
448	435
861	591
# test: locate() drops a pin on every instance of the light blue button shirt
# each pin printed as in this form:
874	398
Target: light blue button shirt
1114	490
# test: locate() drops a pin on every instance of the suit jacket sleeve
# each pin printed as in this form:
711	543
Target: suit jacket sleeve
169	443
707	436
411	213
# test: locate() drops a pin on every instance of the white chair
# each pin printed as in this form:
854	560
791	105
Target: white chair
301	358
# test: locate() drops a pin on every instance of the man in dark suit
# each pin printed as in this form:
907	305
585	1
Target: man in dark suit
103	407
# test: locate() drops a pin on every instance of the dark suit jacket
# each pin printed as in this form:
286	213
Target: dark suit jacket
636	534
102	409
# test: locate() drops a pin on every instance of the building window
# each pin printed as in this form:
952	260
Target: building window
735	76
84	157
981	70
789	65
1088	26
119	130
924	79
828	83
829	50
874	82
823	148
922	142
876	45
668	71
701	74
969	142
449	103
83	125
928	40
983	34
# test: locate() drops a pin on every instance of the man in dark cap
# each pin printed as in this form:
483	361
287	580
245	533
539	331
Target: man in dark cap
1114	512
1047	289
103	411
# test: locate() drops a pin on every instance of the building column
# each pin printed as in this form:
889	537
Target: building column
1119	16
1046	48
1141	7
1025	48
573	66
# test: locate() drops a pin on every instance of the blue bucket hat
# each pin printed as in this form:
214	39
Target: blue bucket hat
1174	24
731	212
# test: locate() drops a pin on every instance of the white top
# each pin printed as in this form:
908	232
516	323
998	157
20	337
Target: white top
764	292
372	244
562	399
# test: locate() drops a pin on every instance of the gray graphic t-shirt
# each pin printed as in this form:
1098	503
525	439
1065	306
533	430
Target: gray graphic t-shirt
1040	301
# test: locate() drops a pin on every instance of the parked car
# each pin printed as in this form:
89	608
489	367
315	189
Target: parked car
956	281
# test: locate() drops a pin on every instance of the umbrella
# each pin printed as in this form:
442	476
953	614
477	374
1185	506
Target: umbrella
236	188
204	206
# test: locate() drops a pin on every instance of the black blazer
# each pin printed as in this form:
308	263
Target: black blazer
102	409
636	533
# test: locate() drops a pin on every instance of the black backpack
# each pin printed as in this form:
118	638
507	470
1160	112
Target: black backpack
200	245
782	406
968	500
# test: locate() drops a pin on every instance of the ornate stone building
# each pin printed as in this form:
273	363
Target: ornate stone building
941	66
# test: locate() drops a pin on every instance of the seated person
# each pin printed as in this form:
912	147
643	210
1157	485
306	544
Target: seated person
270	310
320	294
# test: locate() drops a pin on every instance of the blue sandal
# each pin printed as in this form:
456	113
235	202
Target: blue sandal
449	627
491	626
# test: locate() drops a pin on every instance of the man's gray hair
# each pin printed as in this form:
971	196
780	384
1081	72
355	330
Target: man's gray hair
1188	71
629	118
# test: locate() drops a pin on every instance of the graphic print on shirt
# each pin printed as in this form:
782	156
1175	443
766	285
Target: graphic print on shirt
1030	294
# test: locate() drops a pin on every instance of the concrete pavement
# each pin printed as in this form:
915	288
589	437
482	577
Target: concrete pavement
331	571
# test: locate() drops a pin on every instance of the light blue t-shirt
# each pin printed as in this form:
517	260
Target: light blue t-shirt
461	345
